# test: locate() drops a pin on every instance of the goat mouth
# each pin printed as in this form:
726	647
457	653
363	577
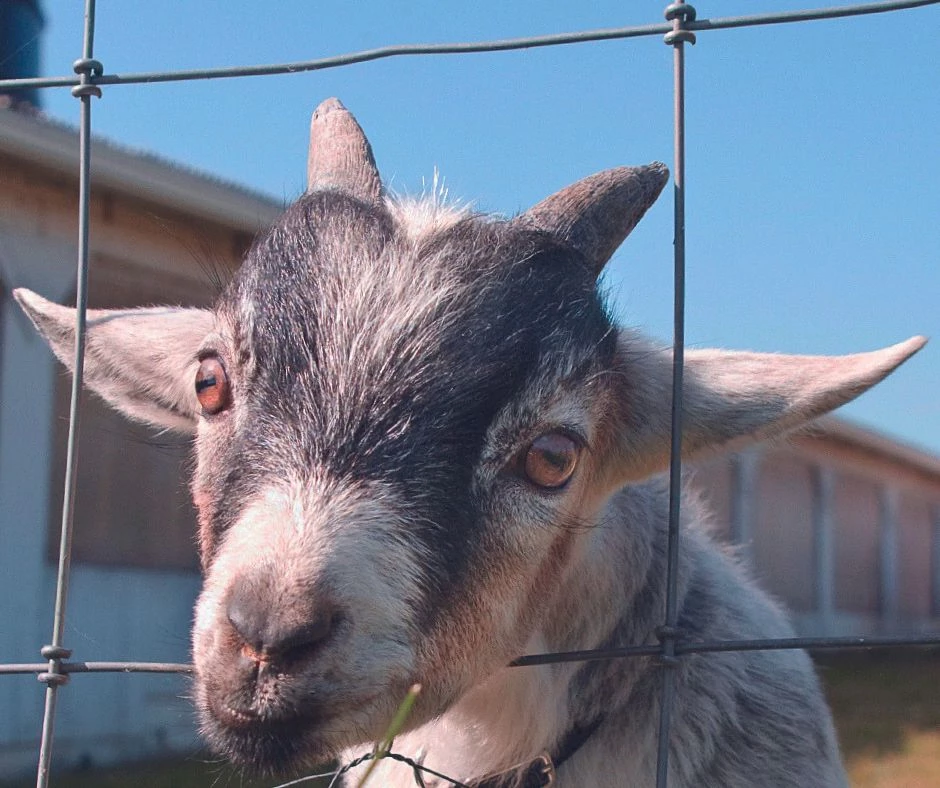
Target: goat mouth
282	744
264	746
236	719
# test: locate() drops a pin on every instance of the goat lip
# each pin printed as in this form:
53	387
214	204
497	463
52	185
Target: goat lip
237	719
263	745
248	721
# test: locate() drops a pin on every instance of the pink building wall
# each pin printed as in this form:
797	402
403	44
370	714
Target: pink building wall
843	525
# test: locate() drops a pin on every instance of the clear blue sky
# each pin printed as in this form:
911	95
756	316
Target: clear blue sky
813	167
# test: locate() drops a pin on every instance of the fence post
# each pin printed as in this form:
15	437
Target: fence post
935	562
745	474
888	557
823	544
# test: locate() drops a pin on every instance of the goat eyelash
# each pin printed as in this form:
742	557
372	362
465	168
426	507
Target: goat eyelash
210	352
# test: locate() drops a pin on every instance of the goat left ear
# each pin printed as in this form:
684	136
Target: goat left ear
730	398
141	361
597	213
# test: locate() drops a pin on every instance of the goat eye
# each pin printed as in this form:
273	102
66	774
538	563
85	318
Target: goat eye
550	460
212	386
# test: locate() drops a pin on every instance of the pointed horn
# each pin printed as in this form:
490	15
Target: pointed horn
340	156
597	213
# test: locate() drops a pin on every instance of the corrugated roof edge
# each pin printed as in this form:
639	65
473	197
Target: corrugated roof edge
54	145
877	443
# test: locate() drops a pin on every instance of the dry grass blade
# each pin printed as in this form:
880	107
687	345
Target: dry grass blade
398	722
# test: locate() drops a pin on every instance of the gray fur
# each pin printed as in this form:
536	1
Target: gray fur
365	517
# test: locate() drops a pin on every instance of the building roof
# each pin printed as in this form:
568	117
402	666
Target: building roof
54	146
878	444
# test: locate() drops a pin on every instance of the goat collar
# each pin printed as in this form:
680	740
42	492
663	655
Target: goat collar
541	771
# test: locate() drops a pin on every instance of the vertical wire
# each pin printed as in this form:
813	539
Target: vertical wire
56	651
679	13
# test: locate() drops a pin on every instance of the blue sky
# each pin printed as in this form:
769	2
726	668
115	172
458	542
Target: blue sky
813	168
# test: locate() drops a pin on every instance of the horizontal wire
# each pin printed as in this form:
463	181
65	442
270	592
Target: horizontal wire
647	650
401	50
769	644
812	643
99	667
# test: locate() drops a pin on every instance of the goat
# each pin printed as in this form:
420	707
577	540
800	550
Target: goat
422	449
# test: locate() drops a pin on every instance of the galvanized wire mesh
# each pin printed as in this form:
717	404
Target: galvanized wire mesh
680	29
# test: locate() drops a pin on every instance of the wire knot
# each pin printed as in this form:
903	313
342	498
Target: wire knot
55	652
680	14
87	68
54	677
667	637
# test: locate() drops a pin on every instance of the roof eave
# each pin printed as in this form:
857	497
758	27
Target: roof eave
874	442
54	147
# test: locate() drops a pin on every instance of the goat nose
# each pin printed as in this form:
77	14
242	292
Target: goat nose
278	629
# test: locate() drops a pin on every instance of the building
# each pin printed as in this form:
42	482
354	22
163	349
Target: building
842	524
160	234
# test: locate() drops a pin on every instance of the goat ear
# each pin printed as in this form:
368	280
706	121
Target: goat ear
731	398
597	213
141	361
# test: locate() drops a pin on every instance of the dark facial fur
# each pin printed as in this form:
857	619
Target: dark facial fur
369	357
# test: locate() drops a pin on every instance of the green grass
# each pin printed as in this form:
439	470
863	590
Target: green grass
887	710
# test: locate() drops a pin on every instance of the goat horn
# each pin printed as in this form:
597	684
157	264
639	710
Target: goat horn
597	213
340	156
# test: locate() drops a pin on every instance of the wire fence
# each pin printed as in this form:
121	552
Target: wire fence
680	29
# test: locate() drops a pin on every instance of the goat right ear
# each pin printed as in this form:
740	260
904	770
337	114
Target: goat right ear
730	398
141	361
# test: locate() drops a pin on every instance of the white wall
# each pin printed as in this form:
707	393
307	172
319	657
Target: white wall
113	614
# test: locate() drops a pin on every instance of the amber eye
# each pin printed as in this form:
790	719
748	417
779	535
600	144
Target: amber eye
551	459
212	386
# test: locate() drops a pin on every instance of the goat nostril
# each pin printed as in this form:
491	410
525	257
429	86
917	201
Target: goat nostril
245	621
304	636
270	631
